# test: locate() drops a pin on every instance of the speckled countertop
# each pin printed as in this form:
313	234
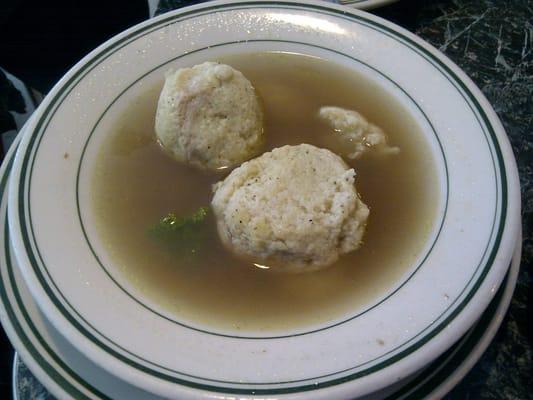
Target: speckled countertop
492	41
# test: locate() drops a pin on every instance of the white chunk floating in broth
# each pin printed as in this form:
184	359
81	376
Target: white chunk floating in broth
356	134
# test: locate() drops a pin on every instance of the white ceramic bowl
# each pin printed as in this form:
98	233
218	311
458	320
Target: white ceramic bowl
73	280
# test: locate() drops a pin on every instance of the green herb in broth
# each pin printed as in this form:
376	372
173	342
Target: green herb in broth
183	235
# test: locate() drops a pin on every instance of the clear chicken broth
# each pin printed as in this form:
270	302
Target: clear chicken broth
136	183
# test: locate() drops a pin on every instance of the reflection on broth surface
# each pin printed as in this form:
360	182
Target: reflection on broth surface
136	183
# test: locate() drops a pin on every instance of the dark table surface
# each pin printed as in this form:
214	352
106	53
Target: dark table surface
491	40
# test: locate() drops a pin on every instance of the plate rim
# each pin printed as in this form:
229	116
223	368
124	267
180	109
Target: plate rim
366	4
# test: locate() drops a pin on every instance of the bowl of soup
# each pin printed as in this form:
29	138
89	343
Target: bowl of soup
126	249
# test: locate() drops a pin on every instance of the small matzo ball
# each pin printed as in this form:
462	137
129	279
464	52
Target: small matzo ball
357	134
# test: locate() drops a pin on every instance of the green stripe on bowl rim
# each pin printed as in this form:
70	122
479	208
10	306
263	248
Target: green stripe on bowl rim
16	321
446	71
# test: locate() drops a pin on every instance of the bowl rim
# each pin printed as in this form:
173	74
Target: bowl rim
506	235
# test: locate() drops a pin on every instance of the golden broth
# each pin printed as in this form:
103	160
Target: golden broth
135	184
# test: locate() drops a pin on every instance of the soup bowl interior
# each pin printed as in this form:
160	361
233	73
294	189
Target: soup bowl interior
73	272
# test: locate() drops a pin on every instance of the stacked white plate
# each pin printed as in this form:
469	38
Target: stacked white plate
85	335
